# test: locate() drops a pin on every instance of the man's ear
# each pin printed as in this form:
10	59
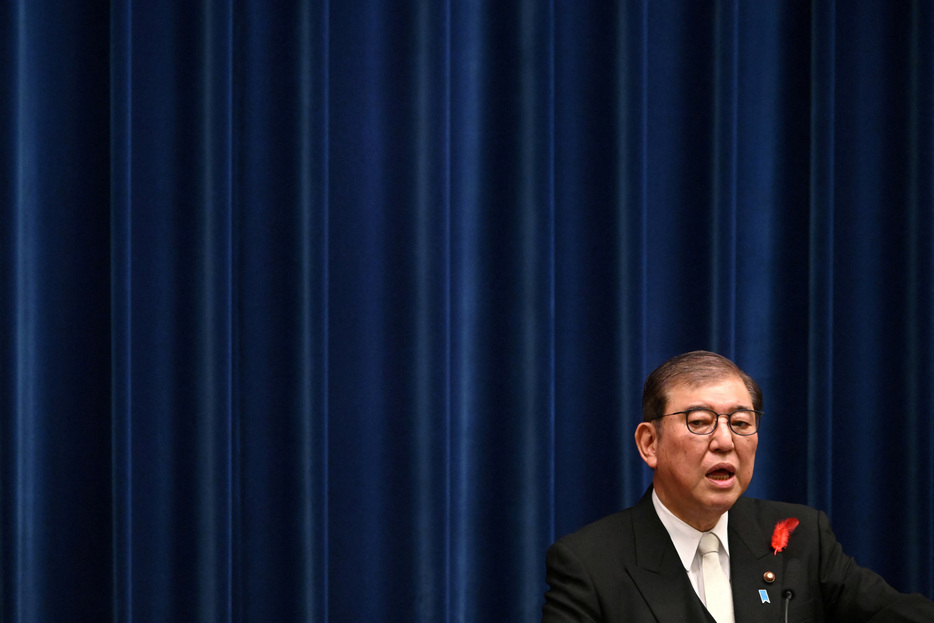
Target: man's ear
647	442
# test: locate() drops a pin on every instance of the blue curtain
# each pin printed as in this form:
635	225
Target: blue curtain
340	311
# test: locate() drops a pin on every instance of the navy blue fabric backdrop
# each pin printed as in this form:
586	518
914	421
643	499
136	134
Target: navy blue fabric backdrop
340	311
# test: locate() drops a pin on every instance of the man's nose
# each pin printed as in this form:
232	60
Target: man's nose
722	433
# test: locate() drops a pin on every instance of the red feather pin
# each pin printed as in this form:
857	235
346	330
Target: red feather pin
783	530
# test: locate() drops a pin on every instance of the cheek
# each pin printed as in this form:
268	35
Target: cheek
749	454
684	459
751	447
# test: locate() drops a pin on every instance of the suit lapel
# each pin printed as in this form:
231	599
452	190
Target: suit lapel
750	560
658	573
663	583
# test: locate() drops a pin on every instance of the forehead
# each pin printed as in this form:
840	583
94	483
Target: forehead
723	393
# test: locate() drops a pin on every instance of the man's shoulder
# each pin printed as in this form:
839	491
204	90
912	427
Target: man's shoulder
772	508
766	513
613	524
603	546
614	532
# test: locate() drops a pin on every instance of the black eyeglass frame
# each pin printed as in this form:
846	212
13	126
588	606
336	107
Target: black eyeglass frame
728	416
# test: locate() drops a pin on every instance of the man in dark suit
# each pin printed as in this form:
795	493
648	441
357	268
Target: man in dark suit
693	549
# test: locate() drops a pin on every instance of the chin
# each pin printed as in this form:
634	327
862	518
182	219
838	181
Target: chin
724	501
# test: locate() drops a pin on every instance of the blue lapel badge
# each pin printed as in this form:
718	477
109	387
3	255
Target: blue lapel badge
764	594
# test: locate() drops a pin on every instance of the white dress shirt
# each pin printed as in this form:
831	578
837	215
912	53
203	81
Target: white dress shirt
686	539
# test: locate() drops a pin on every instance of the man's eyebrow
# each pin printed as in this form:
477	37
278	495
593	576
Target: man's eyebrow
696	407
708	407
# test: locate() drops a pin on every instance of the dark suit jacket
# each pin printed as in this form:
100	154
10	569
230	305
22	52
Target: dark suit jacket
624	568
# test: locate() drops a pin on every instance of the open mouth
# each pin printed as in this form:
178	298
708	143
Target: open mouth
721	473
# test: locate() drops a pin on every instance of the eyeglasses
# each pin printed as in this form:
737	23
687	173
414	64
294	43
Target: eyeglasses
701	421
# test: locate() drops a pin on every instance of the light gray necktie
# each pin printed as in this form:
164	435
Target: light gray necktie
717	593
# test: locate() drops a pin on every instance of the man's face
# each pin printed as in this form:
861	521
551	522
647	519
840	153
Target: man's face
699	477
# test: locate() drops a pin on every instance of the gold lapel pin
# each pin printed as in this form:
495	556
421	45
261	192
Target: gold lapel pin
769	577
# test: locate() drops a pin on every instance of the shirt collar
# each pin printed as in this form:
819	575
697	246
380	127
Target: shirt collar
685	537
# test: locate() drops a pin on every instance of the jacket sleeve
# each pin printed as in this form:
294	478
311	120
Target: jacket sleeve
854	593
571	596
